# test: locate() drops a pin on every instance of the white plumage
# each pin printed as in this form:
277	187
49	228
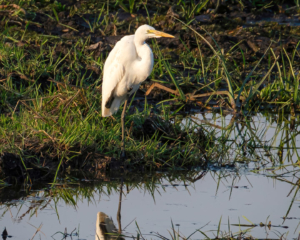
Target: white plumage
126	67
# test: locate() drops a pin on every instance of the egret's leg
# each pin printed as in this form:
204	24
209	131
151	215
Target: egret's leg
123	155
119	208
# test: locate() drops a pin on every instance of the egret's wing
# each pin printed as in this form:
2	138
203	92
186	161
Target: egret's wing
112	76
120	46
114	72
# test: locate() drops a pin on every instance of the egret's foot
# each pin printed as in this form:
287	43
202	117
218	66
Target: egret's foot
123	155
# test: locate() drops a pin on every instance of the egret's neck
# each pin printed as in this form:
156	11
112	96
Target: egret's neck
144	64
139	40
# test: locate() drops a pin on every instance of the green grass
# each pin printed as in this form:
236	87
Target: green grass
50	85
63	120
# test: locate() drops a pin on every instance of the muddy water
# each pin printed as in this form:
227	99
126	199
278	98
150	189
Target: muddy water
260	191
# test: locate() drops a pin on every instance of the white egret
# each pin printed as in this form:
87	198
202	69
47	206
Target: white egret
126	67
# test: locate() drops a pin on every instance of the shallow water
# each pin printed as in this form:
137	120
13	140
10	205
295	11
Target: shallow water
259	191
255	138
257	197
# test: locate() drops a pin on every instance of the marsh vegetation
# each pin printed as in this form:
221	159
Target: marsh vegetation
222	101
52	56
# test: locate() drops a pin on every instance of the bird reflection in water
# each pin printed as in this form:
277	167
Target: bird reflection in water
105	227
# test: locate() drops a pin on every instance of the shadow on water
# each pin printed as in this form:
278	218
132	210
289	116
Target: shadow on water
253	190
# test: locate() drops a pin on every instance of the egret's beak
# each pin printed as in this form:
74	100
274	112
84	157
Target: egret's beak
160	34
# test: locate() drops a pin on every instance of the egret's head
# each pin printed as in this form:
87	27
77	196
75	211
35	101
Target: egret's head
145	31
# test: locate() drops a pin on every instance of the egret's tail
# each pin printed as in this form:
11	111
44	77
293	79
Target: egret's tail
106	112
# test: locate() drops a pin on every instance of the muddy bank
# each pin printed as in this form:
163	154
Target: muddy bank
41	162
96	168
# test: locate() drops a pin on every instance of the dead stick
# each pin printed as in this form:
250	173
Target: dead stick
161	87
209	94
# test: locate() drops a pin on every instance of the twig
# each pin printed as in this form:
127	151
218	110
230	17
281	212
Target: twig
37	230
47	134
209	94
22	76
161	87
70	100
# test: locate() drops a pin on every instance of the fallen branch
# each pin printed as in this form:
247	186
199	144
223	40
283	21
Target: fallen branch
161	87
